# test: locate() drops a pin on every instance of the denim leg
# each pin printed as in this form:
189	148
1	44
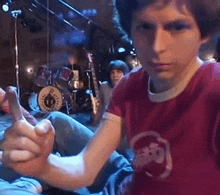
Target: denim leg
71	137
7	189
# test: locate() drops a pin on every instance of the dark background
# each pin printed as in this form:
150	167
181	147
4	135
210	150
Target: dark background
44	39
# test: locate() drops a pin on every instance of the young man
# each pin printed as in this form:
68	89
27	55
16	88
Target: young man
171	109
115	71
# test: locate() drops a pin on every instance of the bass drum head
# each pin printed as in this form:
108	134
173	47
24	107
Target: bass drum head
50	99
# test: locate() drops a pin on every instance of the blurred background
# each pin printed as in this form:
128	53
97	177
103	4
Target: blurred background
50	30
44	33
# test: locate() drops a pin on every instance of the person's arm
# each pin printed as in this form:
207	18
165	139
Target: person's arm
70	173
27	150
84	168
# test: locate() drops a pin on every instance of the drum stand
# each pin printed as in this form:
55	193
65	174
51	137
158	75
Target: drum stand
67	107
74	106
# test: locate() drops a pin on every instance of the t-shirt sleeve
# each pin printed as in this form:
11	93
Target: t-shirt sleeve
116	108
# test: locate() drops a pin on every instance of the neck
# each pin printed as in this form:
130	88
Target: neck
161	85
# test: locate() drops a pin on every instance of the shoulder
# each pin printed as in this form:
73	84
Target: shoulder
135	73
105	85
211	71
210	75
134	79
132	83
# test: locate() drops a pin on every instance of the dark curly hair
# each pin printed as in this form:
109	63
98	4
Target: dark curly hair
206	13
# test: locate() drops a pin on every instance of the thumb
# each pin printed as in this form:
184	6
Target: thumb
14	105
44	127
47	133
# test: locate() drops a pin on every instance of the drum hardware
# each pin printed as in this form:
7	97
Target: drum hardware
75	106
63	77
42	77
80	101
74	84
64	92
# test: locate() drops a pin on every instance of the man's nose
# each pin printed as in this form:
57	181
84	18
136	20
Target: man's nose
161	40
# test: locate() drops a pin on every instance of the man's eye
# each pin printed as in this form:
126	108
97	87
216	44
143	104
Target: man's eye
145	27
177	27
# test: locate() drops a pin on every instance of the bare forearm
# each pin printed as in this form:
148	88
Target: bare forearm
68	173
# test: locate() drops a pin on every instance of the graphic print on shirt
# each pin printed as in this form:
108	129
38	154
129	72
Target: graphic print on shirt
153	155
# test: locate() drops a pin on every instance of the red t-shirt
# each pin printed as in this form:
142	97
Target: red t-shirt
176	142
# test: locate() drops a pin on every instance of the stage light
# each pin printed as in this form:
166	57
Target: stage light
61	16
7	5
71	14
89	12
209	57
211	60
77	37
121	49
30	70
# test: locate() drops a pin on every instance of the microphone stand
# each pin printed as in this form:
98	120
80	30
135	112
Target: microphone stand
15	14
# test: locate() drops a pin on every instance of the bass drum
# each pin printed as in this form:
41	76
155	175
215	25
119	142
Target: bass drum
51	99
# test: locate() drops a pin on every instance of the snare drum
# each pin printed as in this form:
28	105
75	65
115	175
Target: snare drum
51	99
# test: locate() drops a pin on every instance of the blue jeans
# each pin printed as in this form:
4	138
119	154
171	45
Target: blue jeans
71	137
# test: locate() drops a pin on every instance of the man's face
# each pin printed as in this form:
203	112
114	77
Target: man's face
167	40
115	76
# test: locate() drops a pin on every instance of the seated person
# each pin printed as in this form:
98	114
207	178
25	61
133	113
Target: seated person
115	71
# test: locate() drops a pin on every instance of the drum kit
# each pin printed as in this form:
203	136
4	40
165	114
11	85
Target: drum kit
60	88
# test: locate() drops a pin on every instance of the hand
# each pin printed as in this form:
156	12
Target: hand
26	148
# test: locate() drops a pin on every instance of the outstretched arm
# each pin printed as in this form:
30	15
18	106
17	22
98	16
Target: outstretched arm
81	170
27	150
